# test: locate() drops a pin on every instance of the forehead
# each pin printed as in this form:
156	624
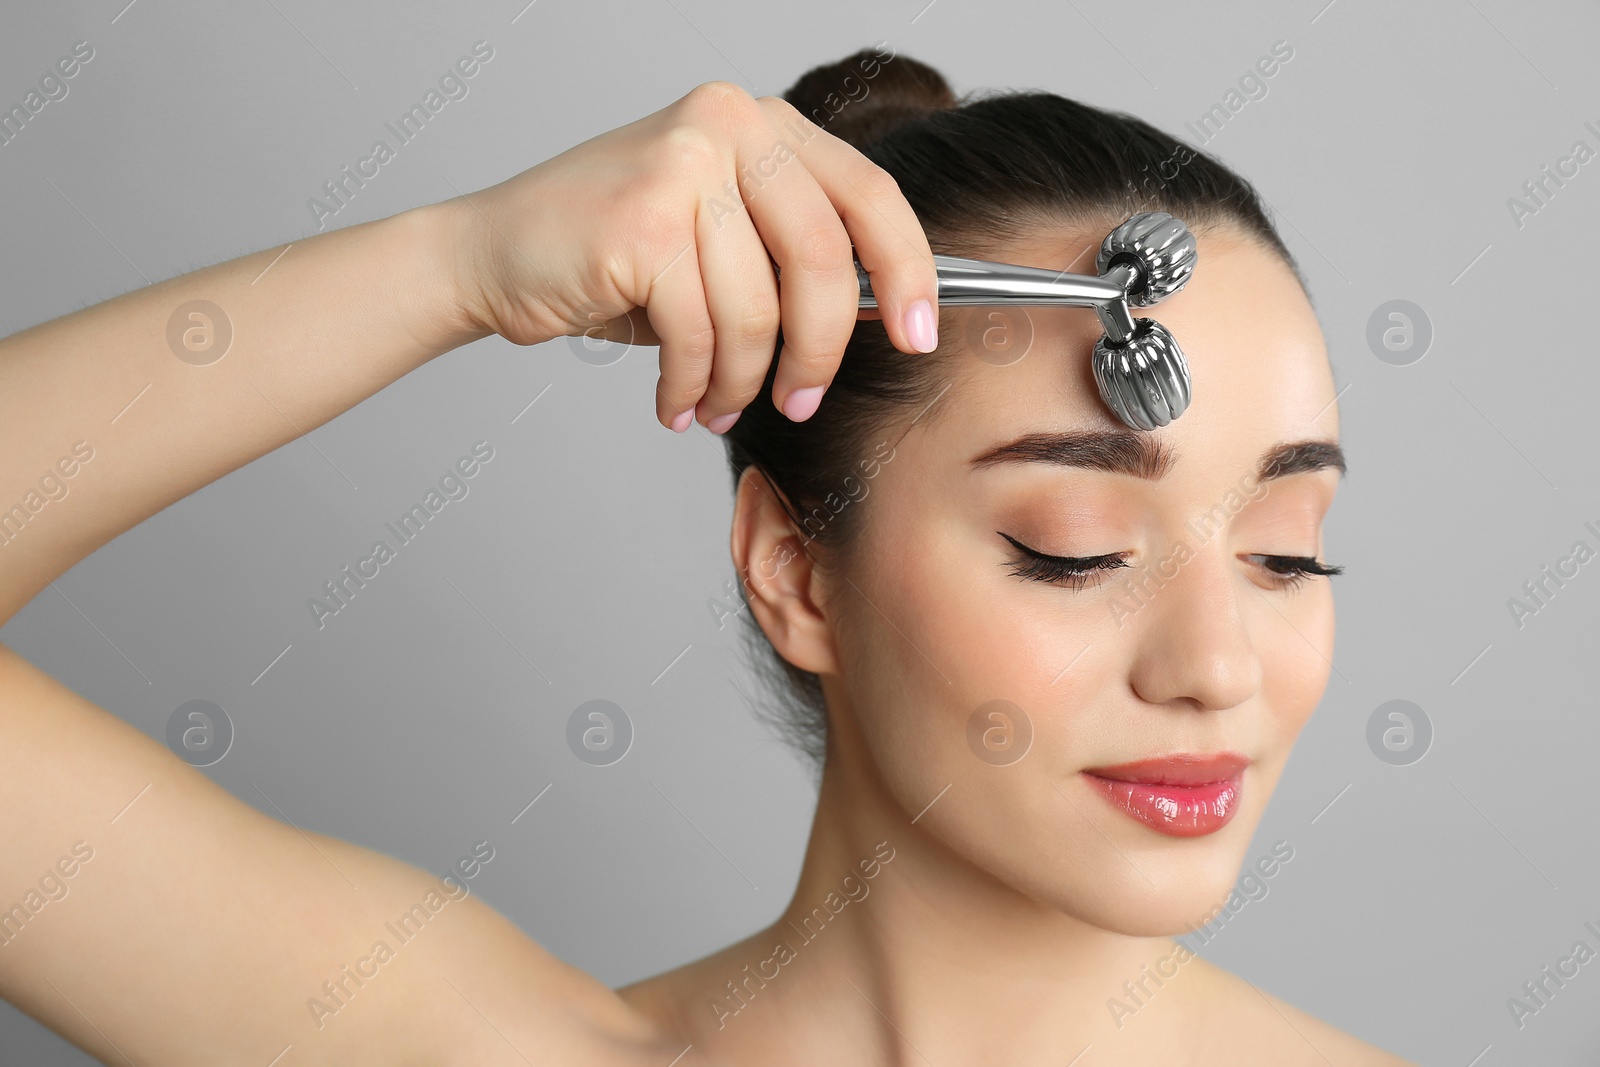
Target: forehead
1256	356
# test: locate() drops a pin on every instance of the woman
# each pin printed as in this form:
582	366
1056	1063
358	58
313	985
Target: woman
1035	769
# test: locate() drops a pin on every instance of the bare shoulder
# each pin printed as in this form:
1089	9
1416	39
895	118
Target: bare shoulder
237	937
1280	1033
480	991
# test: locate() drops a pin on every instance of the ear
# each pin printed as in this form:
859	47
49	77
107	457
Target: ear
781	583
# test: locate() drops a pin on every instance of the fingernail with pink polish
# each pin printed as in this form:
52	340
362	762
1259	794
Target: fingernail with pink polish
681	421
723	423
803	403
921	326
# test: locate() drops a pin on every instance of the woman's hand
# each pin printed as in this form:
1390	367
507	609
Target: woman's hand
665	231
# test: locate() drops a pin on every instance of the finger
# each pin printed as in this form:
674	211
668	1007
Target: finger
742	295
819	294
632	328
678	315
886	234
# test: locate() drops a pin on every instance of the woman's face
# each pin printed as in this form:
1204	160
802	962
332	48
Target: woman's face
954	671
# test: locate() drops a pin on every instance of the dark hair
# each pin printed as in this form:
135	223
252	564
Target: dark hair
978	171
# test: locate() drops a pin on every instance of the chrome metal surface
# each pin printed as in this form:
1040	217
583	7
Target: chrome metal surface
1141	372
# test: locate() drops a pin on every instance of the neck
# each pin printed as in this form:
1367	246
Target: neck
905	948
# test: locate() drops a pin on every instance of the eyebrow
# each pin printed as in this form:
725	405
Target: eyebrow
1138	454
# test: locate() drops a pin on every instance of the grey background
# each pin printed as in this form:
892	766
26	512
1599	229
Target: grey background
429	713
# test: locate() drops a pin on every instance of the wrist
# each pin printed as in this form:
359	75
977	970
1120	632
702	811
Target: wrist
441	239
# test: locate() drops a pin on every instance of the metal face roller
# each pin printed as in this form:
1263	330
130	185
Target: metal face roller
1142	374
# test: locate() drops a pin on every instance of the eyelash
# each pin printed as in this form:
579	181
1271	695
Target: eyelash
1296	569
1075	571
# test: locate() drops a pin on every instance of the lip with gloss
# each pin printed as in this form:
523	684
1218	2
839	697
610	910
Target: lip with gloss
1181	795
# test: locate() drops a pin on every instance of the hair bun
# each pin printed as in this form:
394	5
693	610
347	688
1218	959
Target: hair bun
865	95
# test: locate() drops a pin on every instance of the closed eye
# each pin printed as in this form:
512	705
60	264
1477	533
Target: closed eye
1292	570
1073	571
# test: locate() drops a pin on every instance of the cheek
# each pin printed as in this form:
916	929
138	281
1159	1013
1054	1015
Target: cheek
1296	652
906	640
951	640
951	659
902	643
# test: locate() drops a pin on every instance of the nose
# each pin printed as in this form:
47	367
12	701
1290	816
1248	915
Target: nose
1195	644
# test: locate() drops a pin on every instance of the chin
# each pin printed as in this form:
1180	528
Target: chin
1160	876
1170	895
1093	862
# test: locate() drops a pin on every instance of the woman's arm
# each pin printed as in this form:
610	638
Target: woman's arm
145	912
315	329
151	917
645	221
